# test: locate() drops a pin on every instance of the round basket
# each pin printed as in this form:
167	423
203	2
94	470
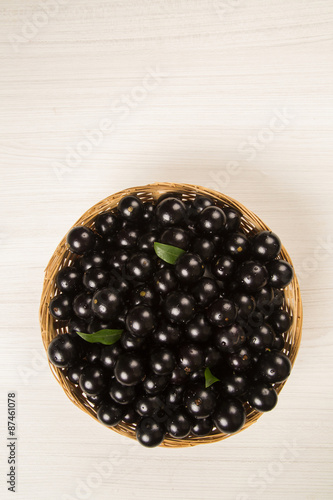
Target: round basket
62	257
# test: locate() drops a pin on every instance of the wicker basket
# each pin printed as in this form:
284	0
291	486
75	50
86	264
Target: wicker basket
62	257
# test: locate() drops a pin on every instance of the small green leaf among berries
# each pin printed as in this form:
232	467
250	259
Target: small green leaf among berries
106	337
210	379
168	253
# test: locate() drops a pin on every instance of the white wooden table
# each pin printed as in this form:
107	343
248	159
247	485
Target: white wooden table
98	96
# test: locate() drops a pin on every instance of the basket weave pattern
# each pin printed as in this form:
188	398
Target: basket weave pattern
62	257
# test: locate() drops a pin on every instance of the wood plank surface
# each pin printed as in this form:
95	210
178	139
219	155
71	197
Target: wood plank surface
98	96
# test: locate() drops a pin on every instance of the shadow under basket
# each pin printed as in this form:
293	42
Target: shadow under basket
62	257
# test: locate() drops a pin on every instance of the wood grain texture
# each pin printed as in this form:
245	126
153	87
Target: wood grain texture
231	95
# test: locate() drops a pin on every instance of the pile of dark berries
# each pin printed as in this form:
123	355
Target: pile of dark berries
198	305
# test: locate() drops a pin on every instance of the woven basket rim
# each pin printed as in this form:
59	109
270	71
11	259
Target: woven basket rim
62	255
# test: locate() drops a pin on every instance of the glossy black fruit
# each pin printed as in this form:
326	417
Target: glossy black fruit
162	361
130	343
106	224
123	287
189	268
262	397
98	399
148	213
61	307
122	394
140	321
82	306
197	377
126	238
241	360
148	406
230	339
129	369
93	259
81	240
222	313
229	416
261	338
273	367
198	205
146	242
198	329
92	379
202	427
205	291
173	397
252	276
278	298
266	246
149	432
131	208
155	384
140	267
131	417
179	307
245	303
213	357
199	402
170	212
280	321
233	220
176	237
278	343
179	425
234	385
106	303
77	325
190	357
179	376
95	278
255	319
144	294
117	261
93	352
110	413
211	221
205	248
166	334
237	246
63	350
264	298
223	268
109	355
280	273
165	281
96	324
69	280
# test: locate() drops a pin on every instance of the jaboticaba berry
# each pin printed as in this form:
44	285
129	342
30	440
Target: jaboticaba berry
184	312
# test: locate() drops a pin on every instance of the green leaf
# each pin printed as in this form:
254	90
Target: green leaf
210	379
106	337
168	253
